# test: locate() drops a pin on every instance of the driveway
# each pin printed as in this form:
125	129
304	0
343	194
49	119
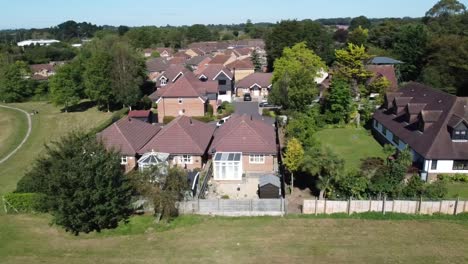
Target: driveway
248	108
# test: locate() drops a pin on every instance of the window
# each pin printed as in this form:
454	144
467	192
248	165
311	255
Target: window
227	166
396	139
257	159
221	82
460	135
222	92
188	159
384	131
460	165
124	160
180	100
163	81
434	165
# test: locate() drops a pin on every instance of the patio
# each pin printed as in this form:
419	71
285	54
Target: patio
245	189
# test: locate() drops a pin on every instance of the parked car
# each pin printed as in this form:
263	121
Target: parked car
247	97
222	121
266	104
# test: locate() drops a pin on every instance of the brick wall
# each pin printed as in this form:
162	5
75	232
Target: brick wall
172	107
196	164
267	166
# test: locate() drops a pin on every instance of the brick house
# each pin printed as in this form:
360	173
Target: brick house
431	123
244	145
187	96
186	140
241	68
223	76
257	84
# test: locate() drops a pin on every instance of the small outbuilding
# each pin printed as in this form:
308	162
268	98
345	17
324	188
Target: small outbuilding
269	187
142	115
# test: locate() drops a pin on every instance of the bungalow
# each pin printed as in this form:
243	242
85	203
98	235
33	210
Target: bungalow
257	84
186	140
221	75
244	145
127	136
241	68
187	96
433	124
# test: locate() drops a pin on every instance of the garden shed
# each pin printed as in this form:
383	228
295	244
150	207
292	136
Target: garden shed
269	187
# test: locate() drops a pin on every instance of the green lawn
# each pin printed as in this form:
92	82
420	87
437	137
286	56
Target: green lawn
13	128
458	189
30	239
352	144
50	124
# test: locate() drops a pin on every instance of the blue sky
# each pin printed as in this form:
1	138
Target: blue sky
46	13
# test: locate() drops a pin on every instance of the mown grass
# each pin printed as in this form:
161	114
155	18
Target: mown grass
50	124
351	144
292	239
457	189
13	128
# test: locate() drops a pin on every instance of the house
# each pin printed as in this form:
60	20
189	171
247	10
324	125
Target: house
41	72
178	60
241	68
223	59
384	61
170	75
244	145
221	75
142	115
209	46
187	96
127	136
258	84
198	62
165	52
156	65
194	52
433	124
383	70
186	140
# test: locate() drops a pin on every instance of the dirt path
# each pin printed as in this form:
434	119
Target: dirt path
25	137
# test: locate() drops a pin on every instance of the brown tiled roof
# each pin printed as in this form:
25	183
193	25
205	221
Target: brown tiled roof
387	71
157	65
128	135
174	71
241	65
40	67
197	60
186	86
168	50
439	110
139	113
260	78
212	70
242	51
220	59
242	133
178	60
183	135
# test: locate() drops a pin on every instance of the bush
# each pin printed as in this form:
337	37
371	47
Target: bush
26	202
205	119
168	119
209	110
458	177
436	190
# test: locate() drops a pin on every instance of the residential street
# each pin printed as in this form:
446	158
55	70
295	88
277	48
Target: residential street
249	108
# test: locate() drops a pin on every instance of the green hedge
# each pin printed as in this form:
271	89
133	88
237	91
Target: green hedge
458	177
25	202
204	119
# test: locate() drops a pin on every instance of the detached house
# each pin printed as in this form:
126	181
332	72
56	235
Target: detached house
433	124
187	96
257	84
127	136
221	75
241	68
42	71
244	145
186	140
170	75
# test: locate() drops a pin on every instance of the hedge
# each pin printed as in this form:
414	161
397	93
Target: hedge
25	202
115	116
204	119
458	177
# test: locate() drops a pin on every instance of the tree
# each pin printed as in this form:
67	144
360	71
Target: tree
379	85
198	32
85	186
446	8
66	87
293	158
249	27
14	85
303	126
350	64
97	78
339	102
341	35
360	21
294	85
256	61
353	185
358	36
414	188
410	47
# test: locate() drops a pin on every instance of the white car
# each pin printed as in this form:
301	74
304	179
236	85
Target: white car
222	121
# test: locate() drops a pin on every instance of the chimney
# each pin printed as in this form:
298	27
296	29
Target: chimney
191	121
251	117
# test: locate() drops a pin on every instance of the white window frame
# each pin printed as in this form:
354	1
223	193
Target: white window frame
124	160
163	81
257	159
186	159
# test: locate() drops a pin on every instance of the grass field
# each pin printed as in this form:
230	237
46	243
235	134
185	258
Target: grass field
13	128
50	124
351	144
29	239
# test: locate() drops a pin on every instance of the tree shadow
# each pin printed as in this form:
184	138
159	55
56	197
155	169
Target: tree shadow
305	181
80	107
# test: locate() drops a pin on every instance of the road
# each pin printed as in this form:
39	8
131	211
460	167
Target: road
248	108
25	137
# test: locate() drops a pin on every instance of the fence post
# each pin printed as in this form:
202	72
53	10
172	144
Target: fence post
251	206
383	204
218	204
456	206
393	205
198	205
325	207
349	205
370	204
316	204
440	206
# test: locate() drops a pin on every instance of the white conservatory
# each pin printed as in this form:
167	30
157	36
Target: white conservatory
152	159
227	166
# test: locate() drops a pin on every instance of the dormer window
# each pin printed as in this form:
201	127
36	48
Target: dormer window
460	132
163	81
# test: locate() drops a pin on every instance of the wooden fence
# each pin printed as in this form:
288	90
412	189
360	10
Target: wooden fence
231	207
452	207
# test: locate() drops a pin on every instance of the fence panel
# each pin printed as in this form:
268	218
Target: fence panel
230	207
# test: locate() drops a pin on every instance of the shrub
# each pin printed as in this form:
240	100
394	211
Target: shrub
209	110
168	119
436	190
458	177
26	202
205	119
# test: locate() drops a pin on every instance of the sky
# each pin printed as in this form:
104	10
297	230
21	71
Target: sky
47	13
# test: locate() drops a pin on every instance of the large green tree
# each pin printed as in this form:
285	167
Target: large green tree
66	86
199	32
359	36
97	78
360	21
339	102
14	83
294	85
350	64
